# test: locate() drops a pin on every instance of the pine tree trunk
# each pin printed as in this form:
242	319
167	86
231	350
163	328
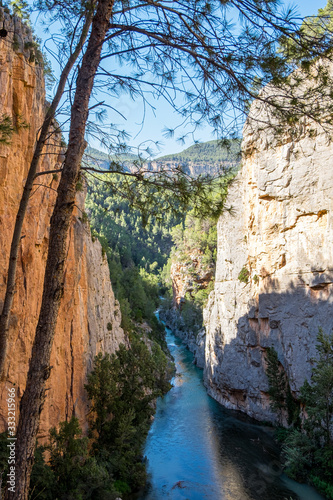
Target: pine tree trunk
44	133
39	369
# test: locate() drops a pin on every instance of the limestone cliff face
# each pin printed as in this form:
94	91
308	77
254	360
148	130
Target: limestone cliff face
281	232
89	319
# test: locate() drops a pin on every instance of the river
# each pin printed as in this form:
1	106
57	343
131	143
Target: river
198	450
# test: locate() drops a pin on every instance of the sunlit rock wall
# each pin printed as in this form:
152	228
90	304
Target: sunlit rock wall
281	231
89	318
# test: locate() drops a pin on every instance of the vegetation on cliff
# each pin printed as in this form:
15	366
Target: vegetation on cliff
209	153
135	253
141	250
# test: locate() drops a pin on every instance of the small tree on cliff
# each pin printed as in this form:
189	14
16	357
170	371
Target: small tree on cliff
184	46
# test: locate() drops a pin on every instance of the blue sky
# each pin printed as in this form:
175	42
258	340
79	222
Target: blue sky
164	116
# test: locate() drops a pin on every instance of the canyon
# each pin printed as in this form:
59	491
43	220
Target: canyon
274	271
273	282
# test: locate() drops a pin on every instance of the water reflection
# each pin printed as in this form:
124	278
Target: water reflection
198	450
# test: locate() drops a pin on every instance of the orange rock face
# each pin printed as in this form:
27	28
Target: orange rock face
89	319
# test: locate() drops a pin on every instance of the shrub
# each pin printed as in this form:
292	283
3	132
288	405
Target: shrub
6	129
122	388
298	450
322	486
244	275
309	452
72	472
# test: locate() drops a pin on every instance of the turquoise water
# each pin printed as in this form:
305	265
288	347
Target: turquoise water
198	450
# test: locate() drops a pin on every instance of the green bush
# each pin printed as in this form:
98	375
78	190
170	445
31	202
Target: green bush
72	472
122	388
6	129
298	450
244	275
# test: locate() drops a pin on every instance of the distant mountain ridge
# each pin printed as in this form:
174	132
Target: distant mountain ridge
206	157
211	151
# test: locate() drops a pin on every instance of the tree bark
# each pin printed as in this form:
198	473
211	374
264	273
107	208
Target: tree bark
39	369
11	273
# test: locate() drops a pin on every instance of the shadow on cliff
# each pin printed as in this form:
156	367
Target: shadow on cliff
285	318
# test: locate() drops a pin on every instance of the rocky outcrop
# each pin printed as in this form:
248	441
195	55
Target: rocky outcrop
89	318
274	276
189	273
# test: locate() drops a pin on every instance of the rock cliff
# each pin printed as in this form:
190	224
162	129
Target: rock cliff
274	276
89	319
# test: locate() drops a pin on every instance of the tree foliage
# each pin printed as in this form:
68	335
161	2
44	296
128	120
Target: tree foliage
317	395
134	242
71	472
306	94
193	255
308	450
209	154
21	9
316	30
122	389
6	129
135	253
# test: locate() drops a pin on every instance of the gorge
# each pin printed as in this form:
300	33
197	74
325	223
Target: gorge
270	284
197	449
